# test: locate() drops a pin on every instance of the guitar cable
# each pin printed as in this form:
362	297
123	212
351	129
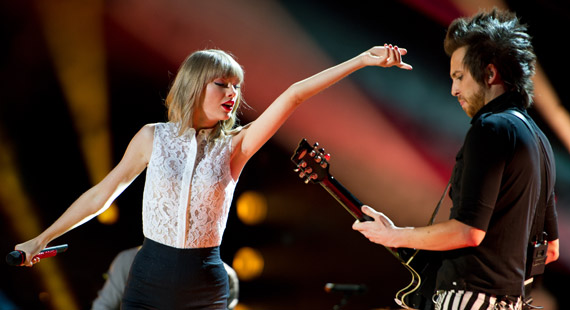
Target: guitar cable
400	300
434	214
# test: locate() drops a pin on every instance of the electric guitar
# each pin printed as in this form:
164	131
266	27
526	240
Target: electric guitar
312	165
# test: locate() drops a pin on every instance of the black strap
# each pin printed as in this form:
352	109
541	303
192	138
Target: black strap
538	222
436	210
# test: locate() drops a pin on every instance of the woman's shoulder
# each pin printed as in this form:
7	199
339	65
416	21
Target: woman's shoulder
160	125
145	134
166	127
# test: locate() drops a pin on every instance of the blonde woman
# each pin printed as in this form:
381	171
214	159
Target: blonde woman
193	163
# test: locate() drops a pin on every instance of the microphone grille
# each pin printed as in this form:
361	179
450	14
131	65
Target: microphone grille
15	258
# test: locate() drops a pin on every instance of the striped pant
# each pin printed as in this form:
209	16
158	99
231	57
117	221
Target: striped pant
467	300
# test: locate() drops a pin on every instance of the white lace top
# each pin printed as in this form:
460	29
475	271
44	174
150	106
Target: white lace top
188	189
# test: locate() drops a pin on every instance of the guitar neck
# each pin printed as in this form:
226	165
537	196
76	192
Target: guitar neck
312	165
345	198
353	206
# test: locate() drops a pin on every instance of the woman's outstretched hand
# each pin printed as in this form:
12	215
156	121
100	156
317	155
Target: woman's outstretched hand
386	56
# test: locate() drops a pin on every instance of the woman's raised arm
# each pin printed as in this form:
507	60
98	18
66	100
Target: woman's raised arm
252	138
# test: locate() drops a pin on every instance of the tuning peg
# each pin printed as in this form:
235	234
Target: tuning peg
324	160
311	177
314	150
318	159
302	164
302	174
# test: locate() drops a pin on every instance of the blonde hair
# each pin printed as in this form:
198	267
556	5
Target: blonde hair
187	90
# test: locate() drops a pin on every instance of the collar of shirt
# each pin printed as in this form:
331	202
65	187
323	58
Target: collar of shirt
501	103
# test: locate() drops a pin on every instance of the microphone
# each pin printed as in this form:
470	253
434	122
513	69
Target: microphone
345	288
17	258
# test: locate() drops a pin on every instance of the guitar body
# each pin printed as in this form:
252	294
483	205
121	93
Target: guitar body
312	165
426	264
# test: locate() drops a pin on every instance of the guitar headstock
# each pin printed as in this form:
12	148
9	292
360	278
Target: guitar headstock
311	162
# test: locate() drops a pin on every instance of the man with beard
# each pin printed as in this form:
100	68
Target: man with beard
503	173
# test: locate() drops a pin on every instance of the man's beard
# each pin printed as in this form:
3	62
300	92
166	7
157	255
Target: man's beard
475	102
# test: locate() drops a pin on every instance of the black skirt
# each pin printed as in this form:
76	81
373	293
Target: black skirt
168	278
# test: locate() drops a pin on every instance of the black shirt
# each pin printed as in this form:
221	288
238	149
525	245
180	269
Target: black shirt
496	184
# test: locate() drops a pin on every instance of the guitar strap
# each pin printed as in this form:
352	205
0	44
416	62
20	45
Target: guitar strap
434	214
538	221
537	245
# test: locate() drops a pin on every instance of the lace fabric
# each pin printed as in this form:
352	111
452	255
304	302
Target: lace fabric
189	188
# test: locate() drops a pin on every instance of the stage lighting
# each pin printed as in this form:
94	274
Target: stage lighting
248	263
251	207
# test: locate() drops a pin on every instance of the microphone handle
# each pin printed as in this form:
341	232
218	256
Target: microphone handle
45	253
20	256
51	251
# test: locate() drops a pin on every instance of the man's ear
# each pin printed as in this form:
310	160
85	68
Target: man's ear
492	75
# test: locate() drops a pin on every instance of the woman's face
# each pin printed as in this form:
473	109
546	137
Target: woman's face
219	101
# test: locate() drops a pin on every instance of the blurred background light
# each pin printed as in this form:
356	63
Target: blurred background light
248	263
80	78
251	207
110	216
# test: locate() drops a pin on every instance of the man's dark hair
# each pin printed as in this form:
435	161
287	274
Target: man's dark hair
497	38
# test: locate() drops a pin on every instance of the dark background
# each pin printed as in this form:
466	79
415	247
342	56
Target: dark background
307	238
